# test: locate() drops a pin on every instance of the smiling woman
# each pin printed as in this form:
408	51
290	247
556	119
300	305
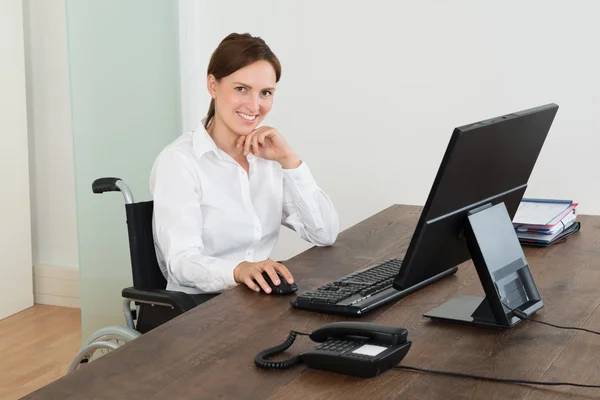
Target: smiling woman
222	191
243	72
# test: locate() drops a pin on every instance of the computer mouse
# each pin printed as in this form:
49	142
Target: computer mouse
283	287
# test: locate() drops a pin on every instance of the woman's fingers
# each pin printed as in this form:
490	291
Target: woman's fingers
287	275
251	284
240	141
261	137
257	139
247	144
261	281
270	269
255	146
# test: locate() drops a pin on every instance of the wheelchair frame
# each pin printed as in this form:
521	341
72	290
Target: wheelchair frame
149	284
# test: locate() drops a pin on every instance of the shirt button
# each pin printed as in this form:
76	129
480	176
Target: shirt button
250	252
257	229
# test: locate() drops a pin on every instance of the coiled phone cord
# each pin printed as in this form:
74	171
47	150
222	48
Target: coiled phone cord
260	360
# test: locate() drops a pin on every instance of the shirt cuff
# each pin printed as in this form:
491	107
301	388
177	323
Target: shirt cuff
301	178
224	272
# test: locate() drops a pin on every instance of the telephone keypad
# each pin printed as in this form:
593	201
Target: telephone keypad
338	346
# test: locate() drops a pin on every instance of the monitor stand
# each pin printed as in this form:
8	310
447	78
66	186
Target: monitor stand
503	272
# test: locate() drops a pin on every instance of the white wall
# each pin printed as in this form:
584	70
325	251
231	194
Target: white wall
371	91
54	230
15	236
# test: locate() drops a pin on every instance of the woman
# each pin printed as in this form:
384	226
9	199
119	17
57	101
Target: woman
222	192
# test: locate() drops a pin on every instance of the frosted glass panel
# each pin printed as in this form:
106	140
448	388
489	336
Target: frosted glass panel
124	76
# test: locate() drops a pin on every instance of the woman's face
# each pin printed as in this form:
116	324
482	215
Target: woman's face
244	98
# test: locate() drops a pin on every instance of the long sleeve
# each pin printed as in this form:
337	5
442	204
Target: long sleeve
307	209
178	226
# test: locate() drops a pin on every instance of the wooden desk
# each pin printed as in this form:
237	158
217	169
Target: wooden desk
209	351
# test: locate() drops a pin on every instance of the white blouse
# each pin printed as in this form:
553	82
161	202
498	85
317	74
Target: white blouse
210	215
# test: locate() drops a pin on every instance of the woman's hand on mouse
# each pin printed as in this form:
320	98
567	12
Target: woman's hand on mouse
248	272
266	142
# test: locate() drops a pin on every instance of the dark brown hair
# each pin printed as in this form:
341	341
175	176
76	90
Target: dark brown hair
235	52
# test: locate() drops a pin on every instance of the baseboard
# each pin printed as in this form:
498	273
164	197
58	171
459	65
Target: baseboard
56	286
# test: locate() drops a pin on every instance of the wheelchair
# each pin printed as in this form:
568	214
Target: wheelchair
154	305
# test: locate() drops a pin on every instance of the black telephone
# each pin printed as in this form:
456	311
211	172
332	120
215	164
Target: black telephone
354	348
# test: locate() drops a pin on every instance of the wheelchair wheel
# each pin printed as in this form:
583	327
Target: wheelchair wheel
101	342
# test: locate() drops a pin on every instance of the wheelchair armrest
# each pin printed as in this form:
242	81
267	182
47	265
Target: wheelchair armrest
179	300
102	185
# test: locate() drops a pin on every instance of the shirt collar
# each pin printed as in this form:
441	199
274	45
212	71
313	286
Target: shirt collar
203	143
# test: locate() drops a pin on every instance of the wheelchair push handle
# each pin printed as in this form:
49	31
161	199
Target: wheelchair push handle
102	185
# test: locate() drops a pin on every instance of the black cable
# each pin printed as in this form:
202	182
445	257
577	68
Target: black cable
564	327
524	317
261	362
485	378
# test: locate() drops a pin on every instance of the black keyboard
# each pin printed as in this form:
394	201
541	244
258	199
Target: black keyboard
356	293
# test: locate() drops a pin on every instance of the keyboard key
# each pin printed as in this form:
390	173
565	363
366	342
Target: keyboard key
369	290
319	300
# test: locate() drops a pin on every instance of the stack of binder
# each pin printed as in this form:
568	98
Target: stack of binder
543	222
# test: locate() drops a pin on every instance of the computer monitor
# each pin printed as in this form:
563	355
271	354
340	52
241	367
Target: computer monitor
468	215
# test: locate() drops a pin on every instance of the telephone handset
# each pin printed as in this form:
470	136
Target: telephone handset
355	348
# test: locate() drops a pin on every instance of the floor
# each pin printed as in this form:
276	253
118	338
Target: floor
36	348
